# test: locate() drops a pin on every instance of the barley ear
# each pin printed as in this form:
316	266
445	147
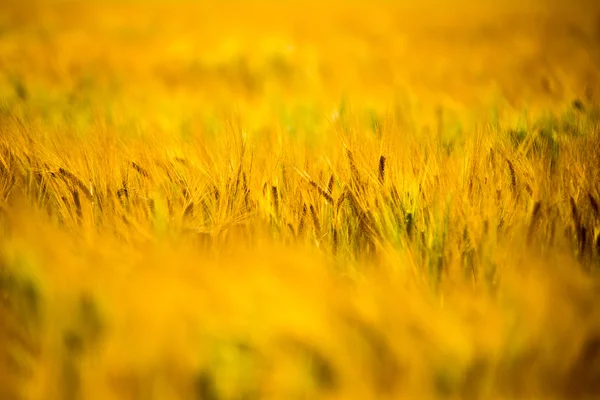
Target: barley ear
315	219
382	169
535	217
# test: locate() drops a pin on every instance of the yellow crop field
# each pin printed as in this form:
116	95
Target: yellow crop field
223	200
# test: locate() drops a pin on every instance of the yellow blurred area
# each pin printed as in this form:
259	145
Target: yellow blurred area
299	200
457	53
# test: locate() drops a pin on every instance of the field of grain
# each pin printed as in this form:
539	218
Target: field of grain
299	200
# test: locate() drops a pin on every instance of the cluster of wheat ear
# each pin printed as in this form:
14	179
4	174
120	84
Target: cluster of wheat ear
247	208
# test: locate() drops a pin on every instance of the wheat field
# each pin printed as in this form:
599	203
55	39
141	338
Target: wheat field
299	200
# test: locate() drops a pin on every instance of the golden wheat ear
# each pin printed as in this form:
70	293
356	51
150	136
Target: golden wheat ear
275	197
301	224
315	219
140	170
355	174
324	193
330	185
70	178
382	169
536	215
594	206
